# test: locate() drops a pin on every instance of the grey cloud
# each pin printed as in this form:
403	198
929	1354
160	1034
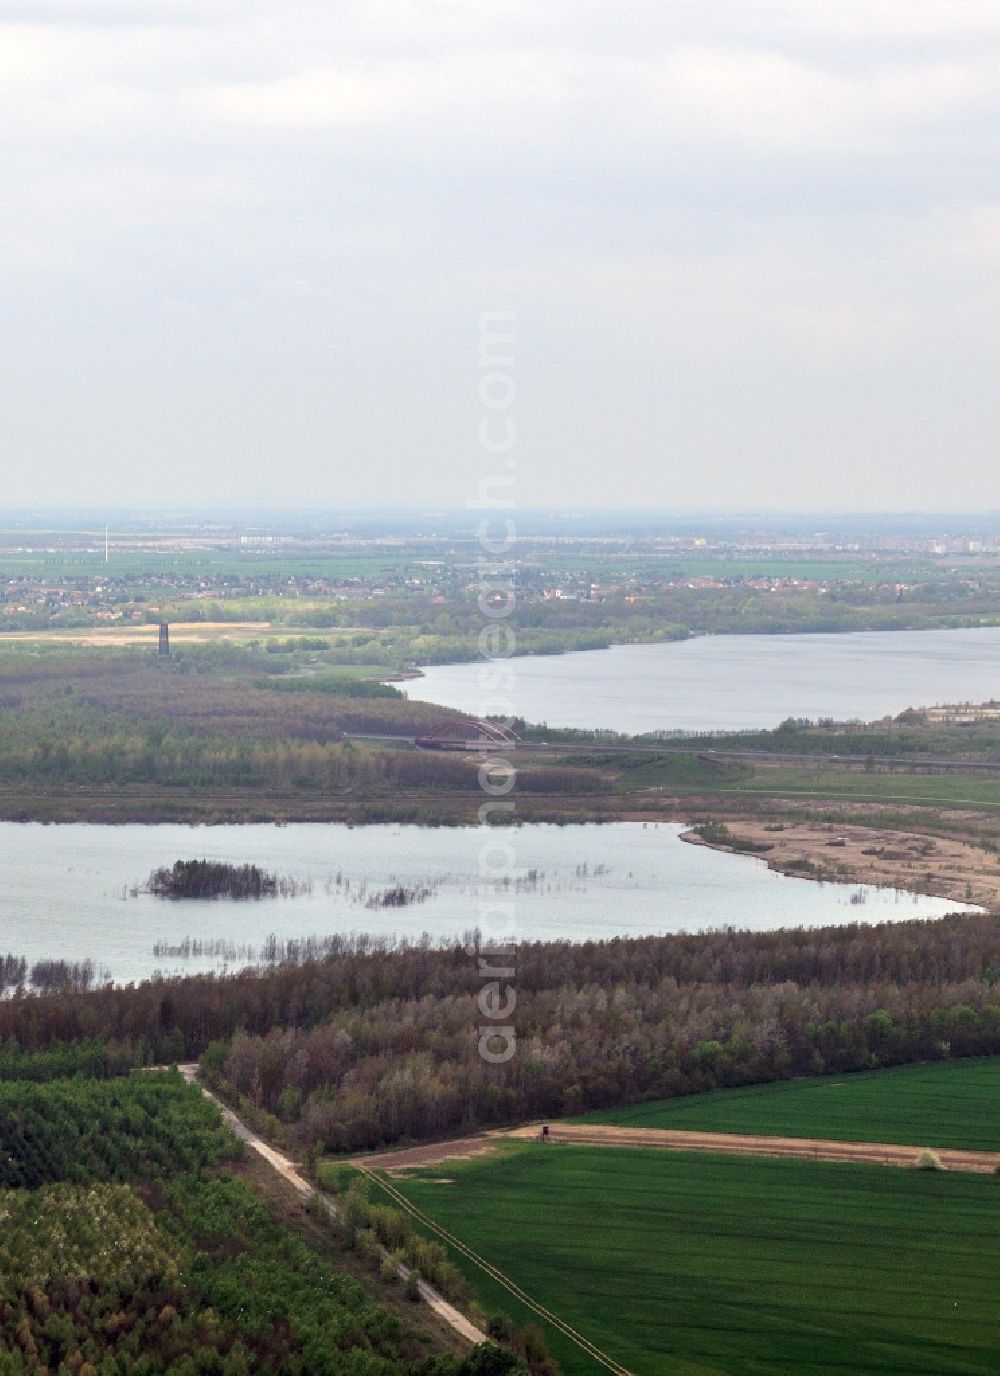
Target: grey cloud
751	245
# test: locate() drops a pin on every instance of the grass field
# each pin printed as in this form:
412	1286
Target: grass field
126	563
181	633
930	789
704	1266
695	773
949	1104
761	566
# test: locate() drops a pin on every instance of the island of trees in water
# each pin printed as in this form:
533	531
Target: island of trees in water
218	879
215	879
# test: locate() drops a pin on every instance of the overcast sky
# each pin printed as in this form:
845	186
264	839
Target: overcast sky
752	247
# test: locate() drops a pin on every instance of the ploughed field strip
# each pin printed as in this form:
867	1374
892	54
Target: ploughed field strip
758	1144
665	1139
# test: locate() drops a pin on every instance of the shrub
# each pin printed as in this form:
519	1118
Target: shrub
501	1327
928	1161
489	1360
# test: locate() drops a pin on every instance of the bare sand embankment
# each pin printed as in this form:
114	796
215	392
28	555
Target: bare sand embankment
942	865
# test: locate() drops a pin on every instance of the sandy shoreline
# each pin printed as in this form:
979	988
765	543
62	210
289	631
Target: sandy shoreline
941	866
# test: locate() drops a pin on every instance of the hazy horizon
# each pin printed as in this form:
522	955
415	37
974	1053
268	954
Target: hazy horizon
327	509
581	523
206	509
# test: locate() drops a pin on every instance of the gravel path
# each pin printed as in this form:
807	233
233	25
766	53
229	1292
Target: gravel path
286	1169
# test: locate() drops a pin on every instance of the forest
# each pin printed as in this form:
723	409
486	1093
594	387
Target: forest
136	1127
120	736
129	1243
121	725
377	1045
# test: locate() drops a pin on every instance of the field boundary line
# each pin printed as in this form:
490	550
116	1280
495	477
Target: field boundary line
591	1349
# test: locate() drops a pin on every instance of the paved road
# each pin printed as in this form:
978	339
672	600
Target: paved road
286	1169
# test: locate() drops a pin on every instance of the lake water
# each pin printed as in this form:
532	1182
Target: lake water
734	682
64	890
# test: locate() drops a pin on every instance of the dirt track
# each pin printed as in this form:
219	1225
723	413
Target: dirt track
287	1170
737	1144
434	1153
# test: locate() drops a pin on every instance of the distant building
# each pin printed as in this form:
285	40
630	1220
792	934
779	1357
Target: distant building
962	714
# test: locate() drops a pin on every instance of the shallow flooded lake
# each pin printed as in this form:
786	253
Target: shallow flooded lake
68	892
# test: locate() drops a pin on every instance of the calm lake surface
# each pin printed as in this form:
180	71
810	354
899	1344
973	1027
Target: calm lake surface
64	890
734	682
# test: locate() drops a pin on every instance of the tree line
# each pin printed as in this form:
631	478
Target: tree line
368	1047
49	751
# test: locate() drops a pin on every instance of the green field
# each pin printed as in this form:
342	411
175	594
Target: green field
698	773
708	1266
948	1104
745	566
945	790
133	564
821	570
